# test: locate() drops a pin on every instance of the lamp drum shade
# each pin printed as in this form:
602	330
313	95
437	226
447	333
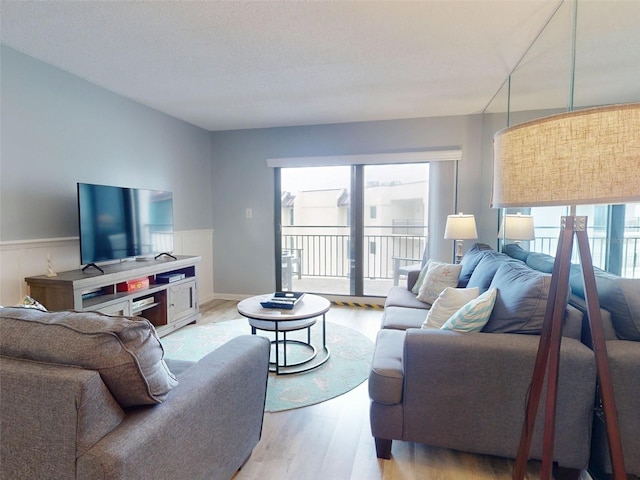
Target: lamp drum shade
583	157
518	227
460	227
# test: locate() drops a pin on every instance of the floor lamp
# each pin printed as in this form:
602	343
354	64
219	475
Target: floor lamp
582	157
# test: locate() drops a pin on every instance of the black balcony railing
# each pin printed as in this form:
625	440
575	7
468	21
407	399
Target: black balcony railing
325	251
546	241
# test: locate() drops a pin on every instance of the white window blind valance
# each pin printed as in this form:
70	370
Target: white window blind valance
436	155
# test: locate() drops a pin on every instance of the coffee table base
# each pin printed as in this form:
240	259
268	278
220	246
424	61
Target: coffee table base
285	367
318	358
280	322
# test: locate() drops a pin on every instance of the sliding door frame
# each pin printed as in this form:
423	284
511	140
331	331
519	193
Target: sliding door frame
450	155
356	275
277	222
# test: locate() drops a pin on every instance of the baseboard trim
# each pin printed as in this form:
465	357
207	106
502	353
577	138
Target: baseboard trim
371	302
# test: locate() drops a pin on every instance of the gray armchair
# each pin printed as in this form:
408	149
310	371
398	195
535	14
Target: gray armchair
62	421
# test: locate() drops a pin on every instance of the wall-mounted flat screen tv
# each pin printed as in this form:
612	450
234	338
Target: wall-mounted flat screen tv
118	222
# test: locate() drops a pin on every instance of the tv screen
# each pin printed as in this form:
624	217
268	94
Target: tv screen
118	222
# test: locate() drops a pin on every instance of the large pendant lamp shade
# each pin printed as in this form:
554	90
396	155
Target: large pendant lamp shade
583	157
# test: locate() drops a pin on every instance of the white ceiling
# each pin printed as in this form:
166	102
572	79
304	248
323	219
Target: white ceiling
241	64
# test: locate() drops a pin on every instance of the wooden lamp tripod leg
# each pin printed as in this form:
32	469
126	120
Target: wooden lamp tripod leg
548	355
602	360
549	344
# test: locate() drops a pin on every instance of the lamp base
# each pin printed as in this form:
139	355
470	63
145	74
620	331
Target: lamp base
459	251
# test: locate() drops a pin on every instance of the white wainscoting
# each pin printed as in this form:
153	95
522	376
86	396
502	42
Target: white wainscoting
26	258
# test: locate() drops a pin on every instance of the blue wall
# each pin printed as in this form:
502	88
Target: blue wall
58	129
244	248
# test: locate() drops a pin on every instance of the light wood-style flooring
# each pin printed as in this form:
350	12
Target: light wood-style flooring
332	440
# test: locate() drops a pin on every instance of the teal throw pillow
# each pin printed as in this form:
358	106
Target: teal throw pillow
448	302
474	315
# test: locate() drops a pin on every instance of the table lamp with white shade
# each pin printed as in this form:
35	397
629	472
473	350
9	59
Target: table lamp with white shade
517	227
460	227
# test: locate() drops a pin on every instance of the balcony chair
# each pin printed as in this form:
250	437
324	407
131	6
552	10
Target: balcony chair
404	265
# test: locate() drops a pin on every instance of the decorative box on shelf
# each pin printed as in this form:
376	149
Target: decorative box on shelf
133	285
283	300
169	277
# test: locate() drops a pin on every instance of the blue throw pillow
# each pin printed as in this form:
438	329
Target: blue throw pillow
522	299
487	267
470	261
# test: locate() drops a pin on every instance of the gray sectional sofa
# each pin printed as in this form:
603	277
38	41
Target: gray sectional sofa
467	390
89	396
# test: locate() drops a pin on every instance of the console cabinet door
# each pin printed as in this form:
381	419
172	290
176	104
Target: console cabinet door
183	301
121	308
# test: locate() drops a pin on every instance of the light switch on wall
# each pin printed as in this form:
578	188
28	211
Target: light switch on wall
249	212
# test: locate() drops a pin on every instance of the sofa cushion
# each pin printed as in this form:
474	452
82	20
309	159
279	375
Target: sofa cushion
439	276
485	270
521	301
387	373
540	261
516	251
473	316
620	296
401	318
470	261
448	302
126	352
401	297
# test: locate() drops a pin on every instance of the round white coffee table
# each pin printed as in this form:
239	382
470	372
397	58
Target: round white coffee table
280	321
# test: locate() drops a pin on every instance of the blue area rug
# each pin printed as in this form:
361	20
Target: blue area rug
347	367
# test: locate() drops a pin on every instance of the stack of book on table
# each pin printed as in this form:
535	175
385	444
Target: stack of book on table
284	300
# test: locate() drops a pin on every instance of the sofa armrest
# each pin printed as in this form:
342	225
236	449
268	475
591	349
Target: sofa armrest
206	428
468	391
607	325
412	276
624	362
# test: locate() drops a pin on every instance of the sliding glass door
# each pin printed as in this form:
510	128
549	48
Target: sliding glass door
395	223
315	229
350	230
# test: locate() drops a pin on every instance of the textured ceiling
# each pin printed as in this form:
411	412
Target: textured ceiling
239	64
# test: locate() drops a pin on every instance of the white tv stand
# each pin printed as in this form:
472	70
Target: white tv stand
167	305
